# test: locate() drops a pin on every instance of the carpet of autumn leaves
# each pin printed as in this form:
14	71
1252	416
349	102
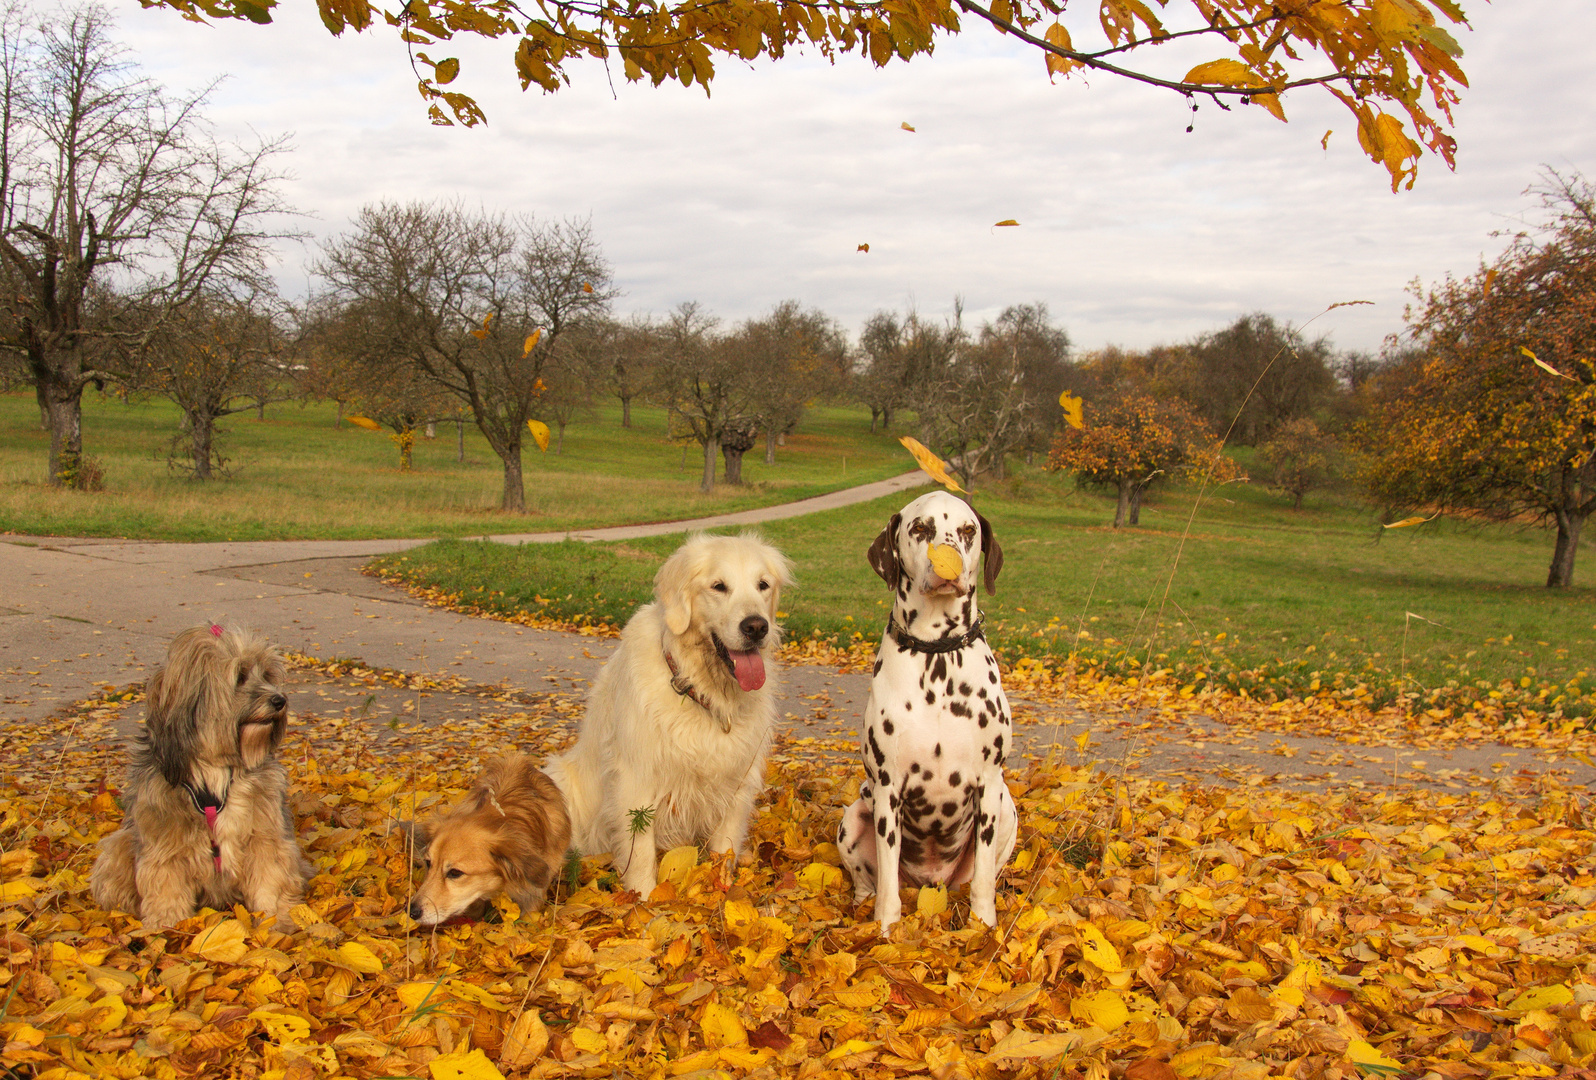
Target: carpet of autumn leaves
1147	931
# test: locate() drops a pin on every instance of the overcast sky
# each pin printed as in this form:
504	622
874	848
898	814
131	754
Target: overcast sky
1132	230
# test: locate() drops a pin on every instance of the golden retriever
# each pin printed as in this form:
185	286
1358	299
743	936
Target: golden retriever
672	747
509	834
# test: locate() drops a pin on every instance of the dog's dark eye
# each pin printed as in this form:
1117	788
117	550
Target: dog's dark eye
719	586
427	863
455	873
764	586
243	676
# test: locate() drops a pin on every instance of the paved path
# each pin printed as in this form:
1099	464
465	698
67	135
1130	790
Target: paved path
77	616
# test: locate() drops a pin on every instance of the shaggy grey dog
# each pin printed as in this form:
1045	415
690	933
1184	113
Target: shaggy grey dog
207	819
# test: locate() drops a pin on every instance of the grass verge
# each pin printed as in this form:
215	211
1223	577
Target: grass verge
1257	600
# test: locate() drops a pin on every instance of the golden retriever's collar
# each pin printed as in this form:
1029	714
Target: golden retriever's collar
680	684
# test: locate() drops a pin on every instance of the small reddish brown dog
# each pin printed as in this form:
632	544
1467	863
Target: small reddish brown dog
509	834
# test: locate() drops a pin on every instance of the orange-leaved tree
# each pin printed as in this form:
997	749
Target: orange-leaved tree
1495	415
1385	60
1133	441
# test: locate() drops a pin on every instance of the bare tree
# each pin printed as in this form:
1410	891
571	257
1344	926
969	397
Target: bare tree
573	372
703	382
634	346
899	355
475	302
117	208
792	357
215	356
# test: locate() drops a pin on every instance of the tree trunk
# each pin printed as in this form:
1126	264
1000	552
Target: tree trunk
514	500
66	437
1122	507
559	440
1136	504
875	414
770	448
44	406
260	409
459	434
201	431
734	463
711	448
1568	529
626	410
338	423
886	419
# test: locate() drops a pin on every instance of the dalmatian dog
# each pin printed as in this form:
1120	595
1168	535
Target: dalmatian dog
934	808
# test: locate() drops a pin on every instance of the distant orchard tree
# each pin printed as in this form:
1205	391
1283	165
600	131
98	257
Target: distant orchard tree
792	357
1253	376
705	385
629	370
898	356
1301	458
1495	411
475	302
215	356
1132	441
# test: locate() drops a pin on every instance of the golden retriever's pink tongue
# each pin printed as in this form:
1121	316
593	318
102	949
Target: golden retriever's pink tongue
750	668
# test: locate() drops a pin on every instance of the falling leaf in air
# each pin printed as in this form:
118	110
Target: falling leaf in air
934	466
1073	410
1544	366
487	324
530	343
1325	142
364	422
1406	522
906	126
587	286
1005	223
864	248
540	434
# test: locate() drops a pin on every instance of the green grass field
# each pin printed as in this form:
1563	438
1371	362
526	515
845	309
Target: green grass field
1276	602
297	477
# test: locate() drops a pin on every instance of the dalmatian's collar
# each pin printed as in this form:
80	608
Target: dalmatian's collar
940	645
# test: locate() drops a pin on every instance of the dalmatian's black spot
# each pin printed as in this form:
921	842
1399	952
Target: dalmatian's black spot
953	779
908	619
908	706
892	838
937	750
957	708
922	528
982	720
939	668
886	726
986	753
964	689
967	535
881	826
930	697
981	693
877	669
991	676
875	748
949	809
987	834
914	767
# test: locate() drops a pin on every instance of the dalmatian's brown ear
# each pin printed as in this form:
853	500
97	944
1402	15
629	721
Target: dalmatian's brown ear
991	553
883	554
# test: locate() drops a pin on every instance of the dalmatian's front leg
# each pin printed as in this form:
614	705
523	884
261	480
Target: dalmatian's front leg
889	844
856	839
997	822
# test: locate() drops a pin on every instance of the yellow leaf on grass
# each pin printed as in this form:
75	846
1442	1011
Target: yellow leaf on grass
1365	1056
221	944
722	1027
947	562
1005	223
1097	950
934	466
932	901
359	958
472	1066
1073	410
1542	997
283	1027
540	434
1105	1009
530	343
588	1041
525	1042
675	864
364	422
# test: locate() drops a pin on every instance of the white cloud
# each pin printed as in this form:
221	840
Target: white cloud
1132	230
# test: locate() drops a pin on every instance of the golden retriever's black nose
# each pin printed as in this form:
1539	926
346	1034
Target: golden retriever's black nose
278	701
754	629
415	909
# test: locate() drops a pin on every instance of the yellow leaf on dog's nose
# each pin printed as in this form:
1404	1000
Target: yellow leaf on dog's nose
946	561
